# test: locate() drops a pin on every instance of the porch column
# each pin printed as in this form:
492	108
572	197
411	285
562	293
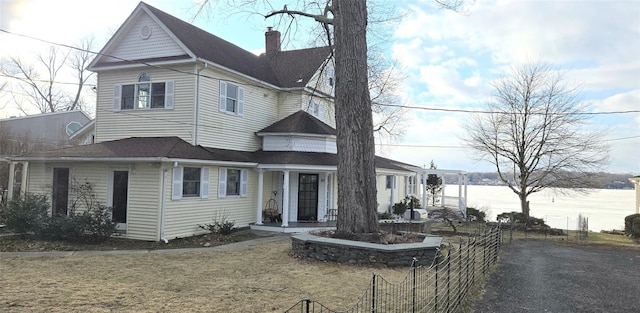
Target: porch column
12	169
406	186
443	188
464	180
259	204
285	199
326	197
393	193
461	208
424	190
23	181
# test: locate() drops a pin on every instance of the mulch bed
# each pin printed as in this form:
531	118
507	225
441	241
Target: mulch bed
28	243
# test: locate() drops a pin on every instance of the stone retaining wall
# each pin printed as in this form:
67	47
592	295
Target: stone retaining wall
356	252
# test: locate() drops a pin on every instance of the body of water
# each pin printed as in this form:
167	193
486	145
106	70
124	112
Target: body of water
605	208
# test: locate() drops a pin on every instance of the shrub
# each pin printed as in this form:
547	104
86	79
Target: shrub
520	218
632	225
220	224
385	216
93	226
475	215
399	208
26	213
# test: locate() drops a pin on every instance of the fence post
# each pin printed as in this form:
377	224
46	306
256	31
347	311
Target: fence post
307	303
436	284
413	296
484	252
459	272
449	278
373	293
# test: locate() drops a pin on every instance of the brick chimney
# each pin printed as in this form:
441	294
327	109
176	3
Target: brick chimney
272	40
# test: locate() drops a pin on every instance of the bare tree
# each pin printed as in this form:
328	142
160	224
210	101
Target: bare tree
536	134
41	84
345	28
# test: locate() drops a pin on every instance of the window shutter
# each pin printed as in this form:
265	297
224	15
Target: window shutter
176	191
222	183
168	95
243	182
117	98
240	101
204	183
223	96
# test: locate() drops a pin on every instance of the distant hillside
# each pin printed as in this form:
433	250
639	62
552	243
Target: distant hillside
605	180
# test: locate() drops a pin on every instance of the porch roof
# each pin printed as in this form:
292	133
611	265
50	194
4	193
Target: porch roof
174	148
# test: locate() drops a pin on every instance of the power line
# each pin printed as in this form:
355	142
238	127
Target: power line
47	81
425	108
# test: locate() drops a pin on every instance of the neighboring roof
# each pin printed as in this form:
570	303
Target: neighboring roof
300	122
46	127
284	69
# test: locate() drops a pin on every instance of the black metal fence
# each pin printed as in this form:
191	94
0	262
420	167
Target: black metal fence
441	287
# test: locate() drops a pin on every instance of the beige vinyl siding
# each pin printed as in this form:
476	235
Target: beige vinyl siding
290	102
328	109
229	131
134	47
143	212
112	125
183	216
384	194
143	205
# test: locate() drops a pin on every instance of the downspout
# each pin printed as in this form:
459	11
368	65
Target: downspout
162	206
197	126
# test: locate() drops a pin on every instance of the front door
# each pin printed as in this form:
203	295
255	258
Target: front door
308	197
60	191
119	198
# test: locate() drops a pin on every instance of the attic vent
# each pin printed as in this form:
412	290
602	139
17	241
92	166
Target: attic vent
145	32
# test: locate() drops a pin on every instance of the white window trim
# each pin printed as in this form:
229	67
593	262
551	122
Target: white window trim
168	96
177	180
222	182
222	102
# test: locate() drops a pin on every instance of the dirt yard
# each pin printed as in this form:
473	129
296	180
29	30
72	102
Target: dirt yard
261	278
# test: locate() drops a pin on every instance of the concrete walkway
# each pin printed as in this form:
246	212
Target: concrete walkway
541	276
279	237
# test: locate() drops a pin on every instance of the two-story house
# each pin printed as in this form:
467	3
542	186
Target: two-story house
189	127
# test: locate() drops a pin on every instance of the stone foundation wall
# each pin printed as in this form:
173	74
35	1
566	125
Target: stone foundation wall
361	253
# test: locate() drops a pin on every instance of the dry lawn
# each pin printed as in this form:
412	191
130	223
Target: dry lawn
261	278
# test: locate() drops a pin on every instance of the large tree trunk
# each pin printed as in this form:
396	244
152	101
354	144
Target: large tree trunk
357	201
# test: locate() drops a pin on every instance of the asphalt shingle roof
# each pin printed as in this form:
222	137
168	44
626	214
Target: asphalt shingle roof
300	122
293	68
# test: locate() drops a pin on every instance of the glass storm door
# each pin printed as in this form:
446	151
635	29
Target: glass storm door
308	197
120	196
60	192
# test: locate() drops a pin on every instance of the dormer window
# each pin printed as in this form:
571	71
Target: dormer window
145	94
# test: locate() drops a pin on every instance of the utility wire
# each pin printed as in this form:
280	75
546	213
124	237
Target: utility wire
425	108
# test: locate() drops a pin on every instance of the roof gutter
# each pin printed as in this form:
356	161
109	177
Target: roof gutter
134	159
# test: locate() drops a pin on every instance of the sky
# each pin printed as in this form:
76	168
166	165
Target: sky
448	58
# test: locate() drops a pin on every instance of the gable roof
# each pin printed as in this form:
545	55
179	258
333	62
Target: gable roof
171	148
284	68
300	122
47	127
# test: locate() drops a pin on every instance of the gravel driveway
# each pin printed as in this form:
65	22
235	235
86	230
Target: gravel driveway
541	276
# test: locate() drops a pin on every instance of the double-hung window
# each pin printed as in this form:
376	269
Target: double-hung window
231	98
190	182
390	182
232	182
144	94
315	109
